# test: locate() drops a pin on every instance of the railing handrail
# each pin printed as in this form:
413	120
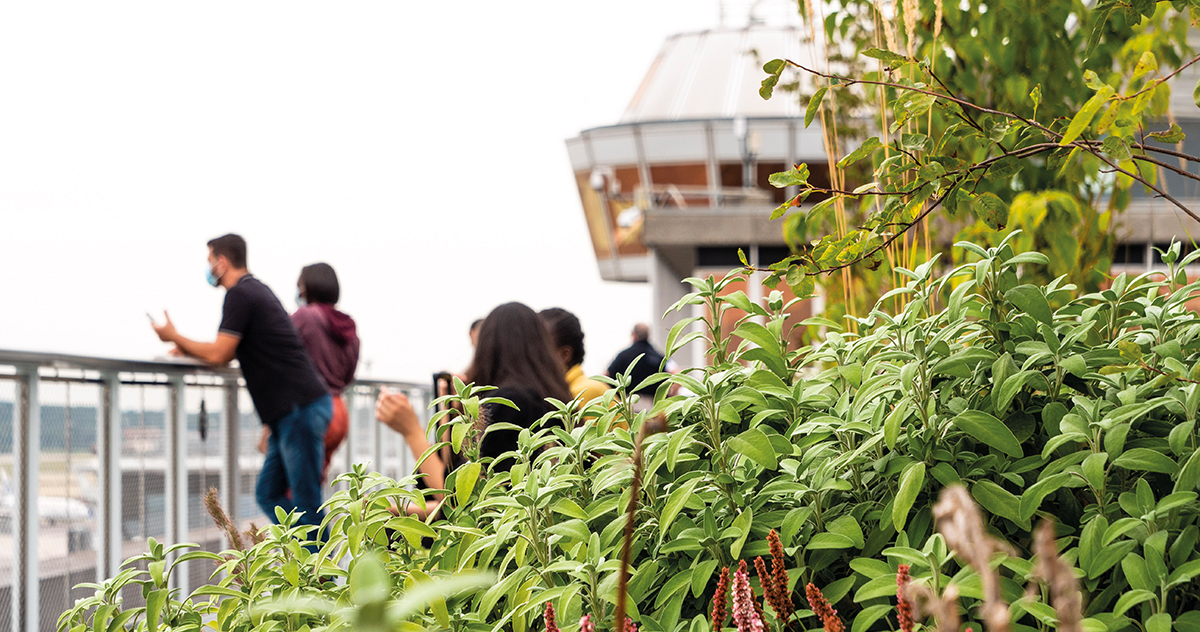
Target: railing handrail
174	459
185	366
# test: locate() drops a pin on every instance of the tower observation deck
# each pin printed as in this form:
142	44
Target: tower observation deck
679	183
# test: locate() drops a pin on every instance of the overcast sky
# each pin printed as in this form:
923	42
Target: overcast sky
418	147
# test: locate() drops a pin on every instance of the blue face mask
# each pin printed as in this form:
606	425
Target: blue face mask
213	279
300	300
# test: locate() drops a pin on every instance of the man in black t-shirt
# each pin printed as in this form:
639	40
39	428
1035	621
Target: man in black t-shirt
650	363
287	391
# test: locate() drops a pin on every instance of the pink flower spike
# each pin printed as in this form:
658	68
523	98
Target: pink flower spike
744	613
551	624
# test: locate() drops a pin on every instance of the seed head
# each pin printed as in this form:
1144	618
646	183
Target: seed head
822	608
904	609
720	601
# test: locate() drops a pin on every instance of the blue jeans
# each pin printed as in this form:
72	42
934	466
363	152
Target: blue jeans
295	461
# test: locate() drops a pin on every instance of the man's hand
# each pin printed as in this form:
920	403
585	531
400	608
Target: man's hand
394	410
166	331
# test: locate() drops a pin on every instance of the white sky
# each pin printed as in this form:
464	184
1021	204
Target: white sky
418	147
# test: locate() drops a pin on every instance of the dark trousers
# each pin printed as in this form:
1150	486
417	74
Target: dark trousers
296	461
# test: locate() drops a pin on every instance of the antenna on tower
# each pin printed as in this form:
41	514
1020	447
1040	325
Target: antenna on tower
754	19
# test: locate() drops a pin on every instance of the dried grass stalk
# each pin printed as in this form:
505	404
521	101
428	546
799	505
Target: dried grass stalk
889	35
937	20
959	521
651	426
944	608
911	10
213	505
1052	571
255	535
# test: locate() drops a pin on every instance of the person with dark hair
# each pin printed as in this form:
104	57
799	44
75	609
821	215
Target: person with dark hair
331	339
474	331
567	335
287	392
651	363
515	355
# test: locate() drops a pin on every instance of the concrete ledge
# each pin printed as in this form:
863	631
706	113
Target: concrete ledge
713	227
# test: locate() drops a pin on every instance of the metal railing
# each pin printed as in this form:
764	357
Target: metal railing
97	454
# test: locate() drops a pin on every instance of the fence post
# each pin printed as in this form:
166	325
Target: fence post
348	463
108	449
377	433
26	467
231	471
176	483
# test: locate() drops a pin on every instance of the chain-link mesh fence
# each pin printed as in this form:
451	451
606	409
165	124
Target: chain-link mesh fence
111	438
68	492
250	462
205	409
8	510
141	468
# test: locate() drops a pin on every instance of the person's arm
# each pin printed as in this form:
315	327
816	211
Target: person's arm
396	412
218	353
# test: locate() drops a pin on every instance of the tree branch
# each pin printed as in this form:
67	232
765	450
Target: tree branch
887	84
1159	82
1186	174
1159	192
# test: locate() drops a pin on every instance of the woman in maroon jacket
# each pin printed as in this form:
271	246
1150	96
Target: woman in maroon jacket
332	342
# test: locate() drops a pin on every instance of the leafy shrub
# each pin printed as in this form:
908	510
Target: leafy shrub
1040	403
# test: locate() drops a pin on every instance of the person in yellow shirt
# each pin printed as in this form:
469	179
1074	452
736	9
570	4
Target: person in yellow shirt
567	337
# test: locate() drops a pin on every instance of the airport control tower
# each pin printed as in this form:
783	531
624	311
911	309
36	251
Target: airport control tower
679	183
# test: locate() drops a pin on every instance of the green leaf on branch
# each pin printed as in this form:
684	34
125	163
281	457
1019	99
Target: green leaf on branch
675	503
997	130
986	429
1036	97
868	146
768	86
1092	80
1196	94
1030	300
794	177
911	483
886	56
1085	115
465	480
754	445
1170	137
1130	351
804	286
774	69
1118	148
1146	63
916	142
990	210
997	500
1146	460
814	104
1097	30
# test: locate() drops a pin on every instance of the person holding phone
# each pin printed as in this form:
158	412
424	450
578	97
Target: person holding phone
514	354
287	392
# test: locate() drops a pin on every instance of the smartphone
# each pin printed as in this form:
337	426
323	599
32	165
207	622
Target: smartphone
443	384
